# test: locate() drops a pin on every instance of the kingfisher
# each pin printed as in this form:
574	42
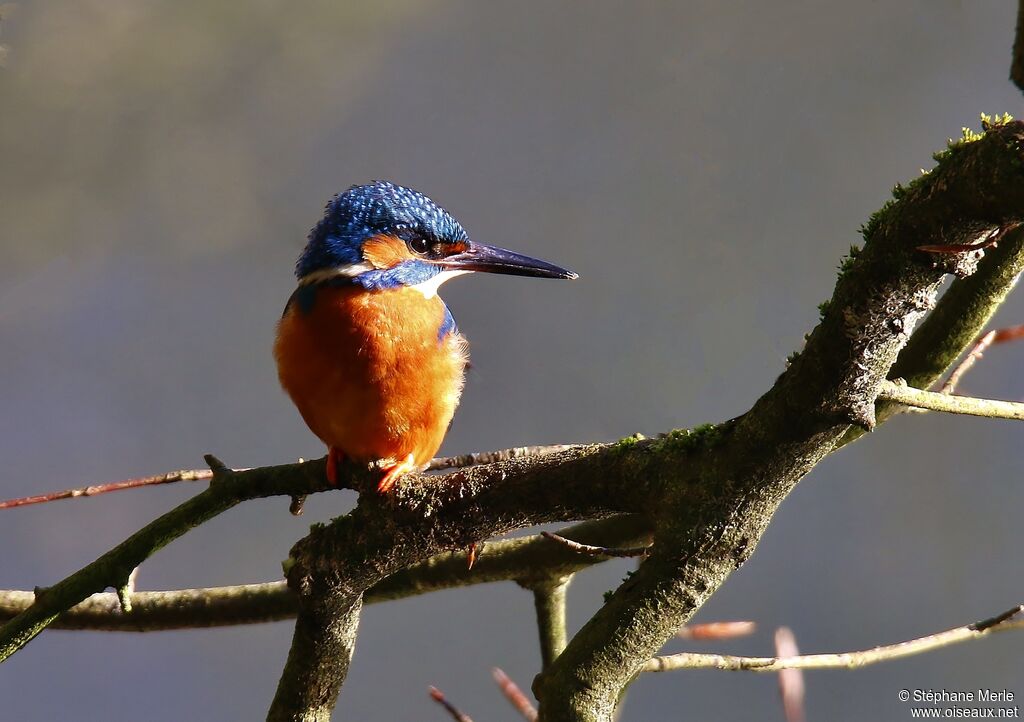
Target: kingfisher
366	349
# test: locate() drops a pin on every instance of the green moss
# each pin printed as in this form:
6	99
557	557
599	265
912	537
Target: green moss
953	146
685	440
846	262
823	309
875	221
968	136
627	444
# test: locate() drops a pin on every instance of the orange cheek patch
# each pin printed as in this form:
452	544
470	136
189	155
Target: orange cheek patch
385	251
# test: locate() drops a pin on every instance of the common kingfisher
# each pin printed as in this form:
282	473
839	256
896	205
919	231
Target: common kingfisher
366	349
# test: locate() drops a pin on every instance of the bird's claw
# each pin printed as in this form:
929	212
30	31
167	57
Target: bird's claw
400	469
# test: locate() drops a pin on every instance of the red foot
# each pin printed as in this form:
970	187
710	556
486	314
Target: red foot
399	469
334	457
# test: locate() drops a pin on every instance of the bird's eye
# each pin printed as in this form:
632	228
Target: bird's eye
419	245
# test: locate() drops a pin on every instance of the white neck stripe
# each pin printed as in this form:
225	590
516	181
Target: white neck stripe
350	271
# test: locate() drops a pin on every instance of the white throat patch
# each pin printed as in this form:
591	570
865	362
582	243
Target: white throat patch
429	288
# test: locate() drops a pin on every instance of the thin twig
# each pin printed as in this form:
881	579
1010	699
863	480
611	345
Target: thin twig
457	715
791	681
899	392
596	551
1010	619
171	477
995	336
992	239
717	630
514	695
112	569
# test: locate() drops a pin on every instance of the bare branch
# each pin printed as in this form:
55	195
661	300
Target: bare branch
171	477
1010	619
514	695
899	392
597	551
506	560
113	568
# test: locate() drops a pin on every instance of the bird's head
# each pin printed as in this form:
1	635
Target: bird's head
383	235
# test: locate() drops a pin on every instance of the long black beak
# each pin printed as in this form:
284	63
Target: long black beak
491	259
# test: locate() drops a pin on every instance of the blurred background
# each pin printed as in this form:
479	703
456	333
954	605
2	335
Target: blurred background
702	165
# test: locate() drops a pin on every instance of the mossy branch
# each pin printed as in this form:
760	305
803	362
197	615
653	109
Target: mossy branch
832	385
708	495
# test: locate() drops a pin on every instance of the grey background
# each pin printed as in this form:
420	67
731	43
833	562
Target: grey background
703	165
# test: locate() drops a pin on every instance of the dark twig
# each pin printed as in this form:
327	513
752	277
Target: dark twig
514	695
791	681
993	337
992	239
596	551
457	715
1010	619
1017	66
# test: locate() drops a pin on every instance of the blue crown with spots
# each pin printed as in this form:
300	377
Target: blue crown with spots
364	211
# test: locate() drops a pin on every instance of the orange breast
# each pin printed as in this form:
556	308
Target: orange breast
368	373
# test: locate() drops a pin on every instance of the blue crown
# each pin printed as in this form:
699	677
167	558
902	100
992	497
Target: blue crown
364	211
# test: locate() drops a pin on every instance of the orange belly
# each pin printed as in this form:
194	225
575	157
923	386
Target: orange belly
368	373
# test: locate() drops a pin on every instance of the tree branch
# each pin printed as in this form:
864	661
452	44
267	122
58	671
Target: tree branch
597	551
898	392
1008	620
549	598
832	384
171	477
505	560
322	647
710	493
959	317
112	569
